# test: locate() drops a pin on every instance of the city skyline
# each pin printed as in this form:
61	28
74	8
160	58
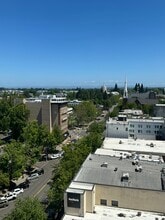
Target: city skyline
82	43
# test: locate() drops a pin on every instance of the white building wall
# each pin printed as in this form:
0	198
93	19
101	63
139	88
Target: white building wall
145	129
149	129
117	130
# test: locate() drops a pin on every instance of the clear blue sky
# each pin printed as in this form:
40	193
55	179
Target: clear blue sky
50	43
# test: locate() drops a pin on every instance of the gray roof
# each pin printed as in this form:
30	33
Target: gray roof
92	172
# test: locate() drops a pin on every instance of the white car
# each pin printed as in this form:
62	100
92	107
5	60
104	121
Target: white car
18	191
54	156
33	176
2	197
10	196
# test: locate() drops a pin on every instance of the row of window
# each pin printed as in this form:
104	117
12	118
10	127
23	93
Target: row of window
147	131
147	126
113	202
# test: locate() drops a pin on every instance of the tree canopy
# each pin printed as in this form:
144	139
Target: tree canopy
27	209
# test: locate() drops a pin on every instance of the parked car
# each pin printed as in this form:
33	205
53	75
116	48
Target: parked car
24	185
18	191
10	196
33	176
2	197
3	203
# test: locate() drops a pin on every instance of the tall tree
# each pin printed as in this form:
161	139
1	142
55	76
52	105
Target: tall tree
18	119
4	115
85	112
27	209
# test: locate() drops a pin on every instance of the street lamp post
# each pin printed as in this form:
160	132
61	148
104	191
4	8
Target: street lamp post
10	173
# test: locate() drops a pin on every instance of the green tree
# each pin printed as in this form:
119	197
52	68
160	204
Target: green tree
13	160
18	119
35	135
57	134
4	115
96	127
85	112
4	180
27	209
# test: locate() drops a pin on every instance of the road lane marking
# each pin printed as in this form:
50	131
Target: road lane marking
41	189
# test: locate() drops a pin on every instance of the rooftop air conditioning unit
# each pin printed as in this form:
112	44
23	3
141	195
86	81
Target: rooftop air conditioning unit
125	177
105	164
151	144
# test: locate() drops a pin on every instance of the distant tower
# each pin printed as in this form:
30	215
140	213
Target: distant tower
125	94
104	88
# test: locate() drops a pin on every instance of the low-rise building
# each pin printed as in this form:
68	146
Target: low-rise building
49	110
109	181
136	127
159	110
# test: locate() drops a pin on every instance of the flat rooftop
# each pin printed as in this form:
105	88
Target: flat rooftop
94	171
126	154
107	213
138	145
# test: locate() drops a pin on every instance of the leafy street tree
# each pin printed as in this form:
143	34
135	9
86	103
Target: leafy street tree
27	209
57	134
18	119
74	156
4	180
34	134
85	112
12	162
4	115
96	127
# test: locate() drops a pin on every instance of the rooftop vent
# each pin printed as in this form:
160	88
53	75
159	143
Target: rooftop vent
125	177
151	144
104	164
135	162
138	168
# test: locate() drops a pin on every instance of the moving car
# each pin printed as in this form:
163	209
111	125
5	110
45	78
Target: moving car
33	176
39	171
55	156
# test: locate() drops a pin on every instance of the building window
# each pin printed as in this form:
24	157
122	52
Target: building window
139	131
139	126
126	129
114	203
148	126
117	128
103	202
131	125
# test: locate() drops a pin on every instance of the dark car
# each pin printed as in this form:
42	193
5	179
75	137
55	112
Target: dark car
3	203
24	185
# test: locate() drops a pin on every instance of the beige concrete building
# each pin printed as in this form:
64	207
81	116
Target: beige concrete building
49	111
109	181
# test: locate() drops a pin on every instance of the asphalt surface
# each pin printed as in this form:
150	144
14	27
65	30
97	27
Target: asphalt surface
38	188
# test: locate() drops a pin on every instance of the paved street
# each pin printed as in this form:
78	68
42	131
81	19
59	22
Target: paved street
38	187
